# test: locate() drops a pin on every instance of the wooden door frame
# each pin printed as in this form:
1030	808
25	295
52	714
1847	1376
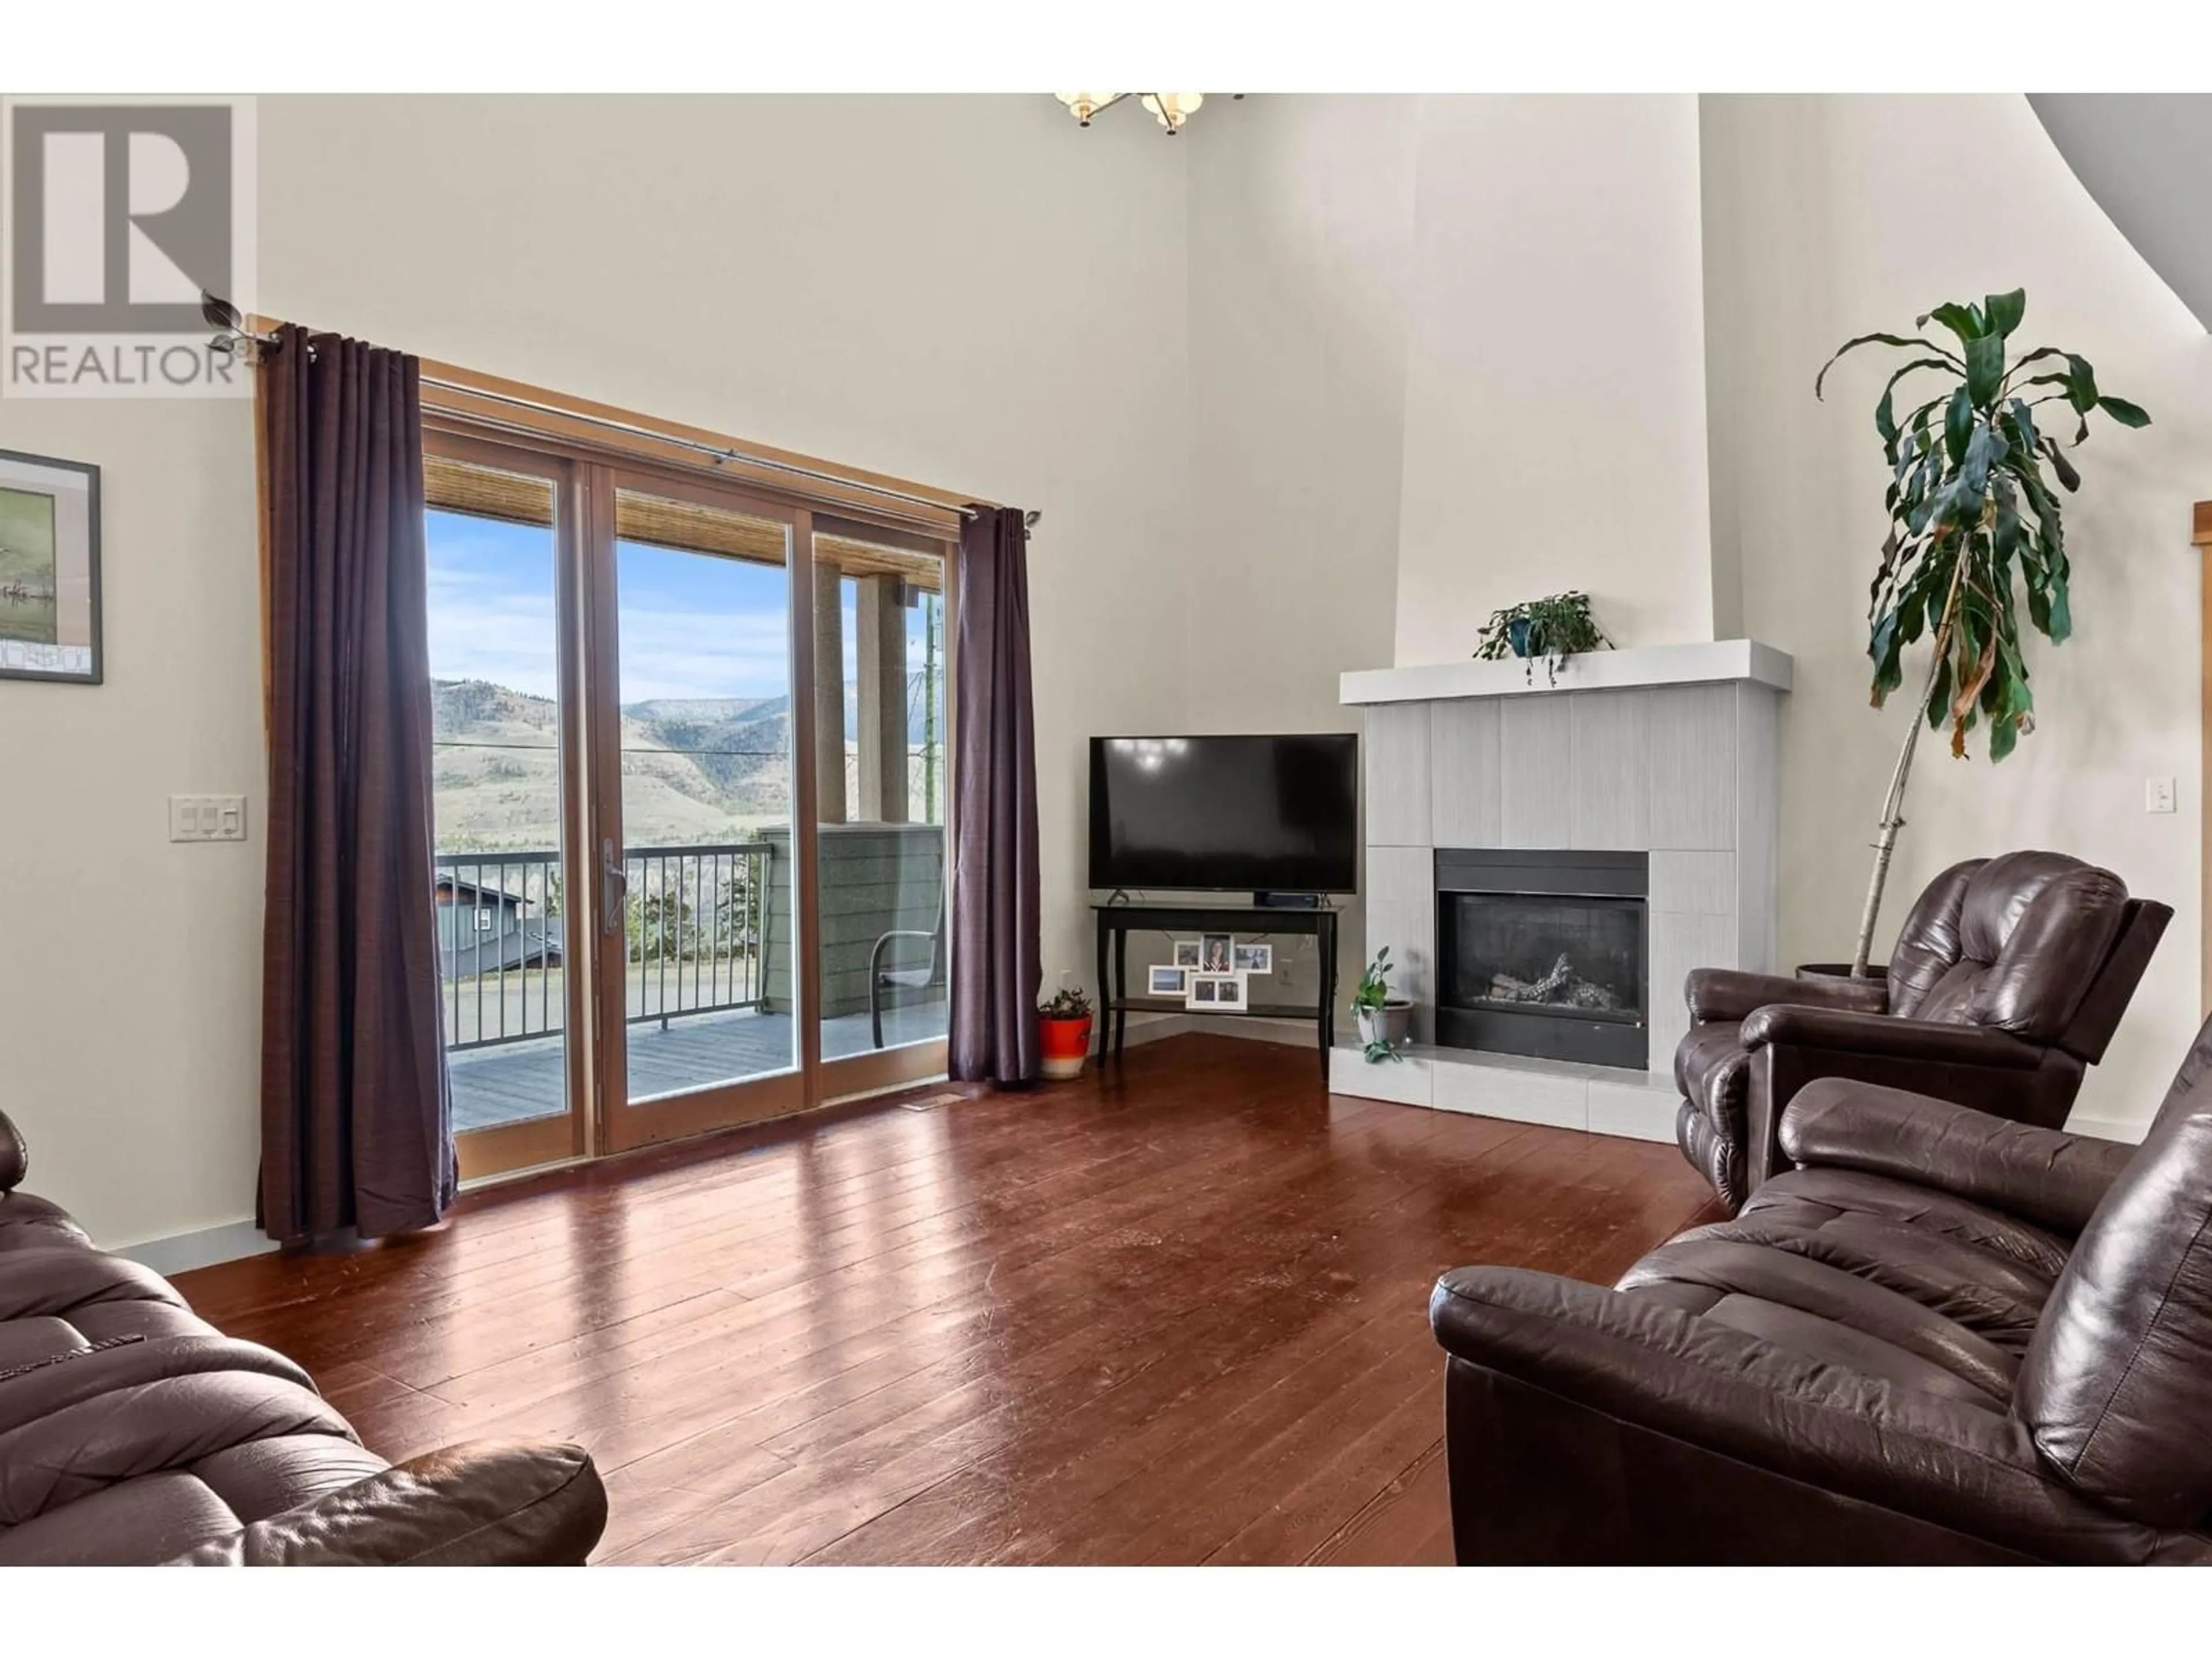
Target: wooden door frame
913	1062
2202	536
506	1147
626	1126
594	467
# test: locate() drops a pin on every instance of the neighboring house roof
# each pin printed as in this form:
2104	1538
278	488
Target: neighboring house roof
465	889
535	944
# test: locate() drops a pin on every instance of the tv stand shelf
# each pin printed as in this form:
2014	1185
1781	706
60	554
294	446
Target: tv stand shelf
1116	921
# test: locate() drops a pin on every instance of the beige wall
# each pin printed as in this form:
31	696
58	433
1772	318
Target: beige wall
1554	419
1819	236
1301	247
968	291
130	987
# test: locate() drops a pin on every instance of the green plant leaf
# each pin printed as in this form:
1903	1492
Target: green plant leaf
1939	694
1958	424
2041	354
1882	339
1885	420
2125	413
2081	383
2004	311
1985	369
2067	476
2003	735
1964	321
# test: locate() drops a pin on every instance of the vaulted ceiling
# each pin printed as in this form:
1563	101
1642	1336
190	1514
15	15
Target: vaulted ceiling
2145	157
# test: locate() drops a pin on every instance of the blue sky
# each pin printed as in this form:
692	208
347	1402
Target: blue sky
692	626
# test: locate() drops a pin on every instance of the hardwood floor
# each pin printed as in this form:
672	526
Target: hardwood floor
1174	1313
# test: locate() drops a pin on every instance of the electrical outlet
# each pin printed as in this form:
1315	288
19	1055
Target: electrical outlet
207	817
2158	794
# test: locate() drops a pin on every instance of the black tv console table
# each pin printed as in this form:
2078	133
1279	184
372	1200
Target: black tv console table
1117	922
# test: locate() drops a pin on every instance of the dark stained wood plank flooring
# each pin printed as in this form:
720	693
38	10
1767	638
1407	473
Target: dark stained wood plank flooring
1174	1313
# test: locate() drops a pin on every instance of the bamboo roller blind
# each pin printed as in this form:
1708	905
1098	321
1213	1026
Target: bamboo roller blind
484	492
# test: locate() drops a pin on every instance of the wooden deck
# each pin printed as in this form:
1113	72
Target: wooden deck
1175	1312
520	1080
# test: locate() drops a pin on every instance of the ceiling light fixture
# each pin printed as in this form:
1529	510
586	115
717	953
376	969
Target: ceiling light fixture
1170	109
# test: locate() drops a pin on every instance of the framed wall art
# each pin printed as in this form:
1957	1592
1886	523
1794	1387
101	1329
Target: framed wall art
49	570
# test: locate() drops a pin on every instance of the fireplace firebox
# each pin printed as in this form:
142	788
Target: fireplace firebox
1543	953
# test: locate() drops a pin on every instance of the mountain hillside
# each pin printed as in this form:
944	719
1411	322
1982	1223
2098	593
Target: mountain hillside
694	768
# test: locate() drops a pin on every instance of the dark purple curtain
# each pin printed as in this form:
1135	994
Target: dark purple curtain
996	951
356	1122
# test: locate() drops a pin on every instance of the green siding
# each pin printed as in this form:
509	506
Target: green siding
876	878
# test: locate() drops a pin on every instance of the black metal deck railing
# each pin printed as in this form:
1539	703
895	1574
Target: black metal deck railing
694	937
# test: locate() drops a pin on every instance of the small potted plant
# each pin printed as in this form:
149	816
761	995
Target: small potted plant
1384	1019
1553	628
1063	1023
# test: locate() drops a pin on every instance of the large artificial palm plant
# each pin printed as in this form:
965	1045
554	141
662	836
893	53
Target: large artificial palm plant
1974	521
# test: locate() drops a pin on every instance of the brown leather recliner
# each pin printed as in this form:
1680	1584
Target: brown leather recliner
132	1433
1945	1337
2009	977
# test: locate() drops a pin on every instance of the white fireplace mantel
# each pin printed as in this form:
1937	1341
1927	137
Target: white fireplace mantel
1671	751
1703	664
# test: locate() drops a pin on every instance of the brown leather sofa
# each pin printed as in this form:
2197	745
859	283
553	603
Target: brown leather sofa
134	1433
1943	1337
2009	977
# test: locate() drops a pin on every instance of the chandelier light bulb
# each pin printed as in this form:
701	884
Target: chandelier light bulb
1172	109
1084	104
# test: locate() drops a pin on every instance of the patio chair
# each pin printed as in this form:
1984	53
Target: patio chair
895	987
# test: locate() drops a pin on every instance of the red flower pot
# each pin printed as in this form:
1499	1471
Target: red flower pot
1067	1045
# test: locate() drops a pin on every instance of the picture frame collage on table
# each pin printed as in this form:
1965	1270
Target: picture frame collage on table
1212	974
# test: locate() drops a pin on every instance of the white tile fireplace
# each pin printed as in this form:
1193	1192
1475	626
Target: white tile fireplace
1664	756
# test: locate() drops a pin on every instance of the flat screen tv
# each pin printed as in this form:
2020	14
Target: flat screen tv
1257	813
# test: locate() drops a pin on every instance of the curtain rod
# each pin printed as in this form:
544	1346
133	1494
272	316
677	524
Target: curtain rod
226	317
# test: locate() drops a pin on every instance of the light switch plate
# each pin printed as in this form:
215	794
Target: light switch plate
2158	794
207	817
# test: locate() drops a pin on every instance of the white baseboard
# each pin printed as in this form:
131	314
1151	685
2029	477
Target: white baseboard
1298	1034
1142	1028
181	1252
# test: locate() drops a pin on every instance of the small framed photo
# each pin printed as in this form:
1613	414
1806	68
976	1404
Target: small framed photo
1215	993
1186	953
1161	981
1254	958
1217	953
49	570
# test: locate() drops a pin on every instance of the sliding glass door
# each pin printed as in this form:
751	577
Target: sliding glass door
881	801
692	791
500	536
701	926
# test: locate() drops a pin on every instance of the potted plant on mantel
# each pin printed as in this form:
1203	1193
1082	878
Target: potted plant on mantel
1064	1029
1971	510
1553	628
1384	1019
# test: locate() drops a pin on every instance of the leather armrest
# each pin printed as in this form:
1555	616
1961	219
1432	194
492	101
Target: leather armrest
1656	1367
15	1157
487	1503
2044	1175
1729	994
1934	1042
